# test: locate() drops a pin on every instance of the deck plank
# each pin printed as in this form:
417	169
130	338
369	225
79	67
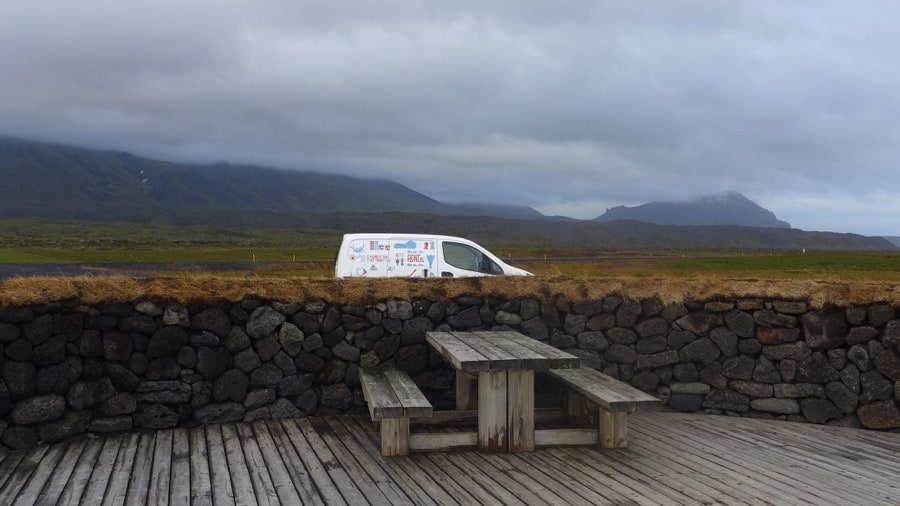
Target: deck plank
237	466
161	470
219	474
53	489
723	450
301	476
36	480
318	473
180	478
346	486
281	481
20	474
110	484
200	483
257	468
423	489
141	470
81	472
806	477
807	468
671	459
376	491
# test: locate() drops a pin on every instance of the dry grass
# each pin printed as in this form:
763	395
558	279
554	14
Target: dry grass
95	290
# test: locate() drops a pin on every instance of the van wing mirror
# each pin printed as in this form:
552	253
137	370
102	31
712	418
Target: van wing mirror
445	274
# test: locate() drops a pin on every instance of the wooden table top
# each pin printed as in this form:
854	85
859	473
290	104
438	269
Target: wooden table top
498	351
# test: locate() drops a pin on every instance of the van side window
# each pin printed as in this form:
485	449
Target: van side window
466	257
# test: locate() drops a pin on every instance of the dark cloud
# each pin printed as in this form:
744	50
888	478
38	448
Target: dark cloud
568	106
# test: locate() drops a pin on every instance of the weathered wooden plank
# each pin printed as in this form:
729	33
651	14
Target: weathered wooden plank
535	481
368	455
505	481
565	437
20	475
109	469
257	469
509	342
180	478
350	491
500	360
559	359
613	427
141	470
8	463
442	441
161	469
604	390
81	472
804	479
396	485
411	398
520	410
468	491
376	492
461	356
318	474
672	459
711	474
633	474
42	471
501	495
593	489
394	437
281	478
294	465
381	399
492	404
466	391
454	492
238	468
219	474
711	479
200	484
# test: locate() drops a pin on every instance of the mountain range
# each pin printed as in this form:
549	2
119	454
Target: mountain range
52	181
62	181
731	208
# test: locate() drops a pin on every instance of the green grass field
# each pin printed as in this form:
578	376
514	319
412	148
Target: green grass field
279	252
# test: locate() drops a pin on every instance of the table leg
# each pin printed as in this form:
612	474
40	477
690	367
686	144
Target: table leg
466	391
492	413
521	410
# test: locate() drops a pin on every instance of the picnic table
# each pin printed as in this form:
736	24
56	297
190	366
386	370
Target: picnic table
495	373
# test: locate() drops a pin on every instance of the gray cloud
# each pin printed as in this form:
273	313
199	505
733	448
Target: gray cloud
568	106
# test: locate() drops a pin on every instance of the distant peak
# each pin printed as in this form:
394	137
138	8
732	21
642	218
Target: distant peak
729	208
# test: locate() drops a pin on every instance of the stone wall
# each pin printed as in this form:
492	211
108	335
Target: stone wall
67	370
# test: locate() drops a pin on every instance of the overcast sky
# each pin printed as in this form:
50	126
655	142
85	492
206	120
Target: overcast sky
567	106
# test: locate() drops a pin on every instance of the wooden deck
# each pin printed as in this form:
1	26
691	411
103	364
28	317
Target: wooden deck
671	459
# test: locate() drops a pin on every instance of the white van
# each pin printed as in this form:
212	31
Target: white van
416	256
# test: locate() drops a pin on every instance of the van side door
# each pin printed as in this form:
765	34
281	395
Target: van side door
464	260
412	257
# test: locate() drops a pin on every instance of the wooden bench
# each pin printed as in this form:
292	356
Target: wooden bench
613	399
393	399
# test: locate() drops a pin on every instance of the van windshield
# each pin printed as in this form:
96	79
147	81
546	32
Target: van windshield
463	256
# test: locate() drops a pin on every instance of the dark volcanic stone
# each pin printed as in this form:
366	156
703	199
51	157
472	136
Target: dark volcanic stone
167	341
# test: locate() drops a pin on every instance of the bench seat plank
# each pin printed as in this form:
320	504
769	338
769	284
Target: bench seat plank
414	403
605	391
392	394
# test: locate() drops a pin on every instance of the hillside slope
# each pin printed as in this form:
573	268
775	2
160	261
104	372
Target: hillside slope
49	180
729	209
